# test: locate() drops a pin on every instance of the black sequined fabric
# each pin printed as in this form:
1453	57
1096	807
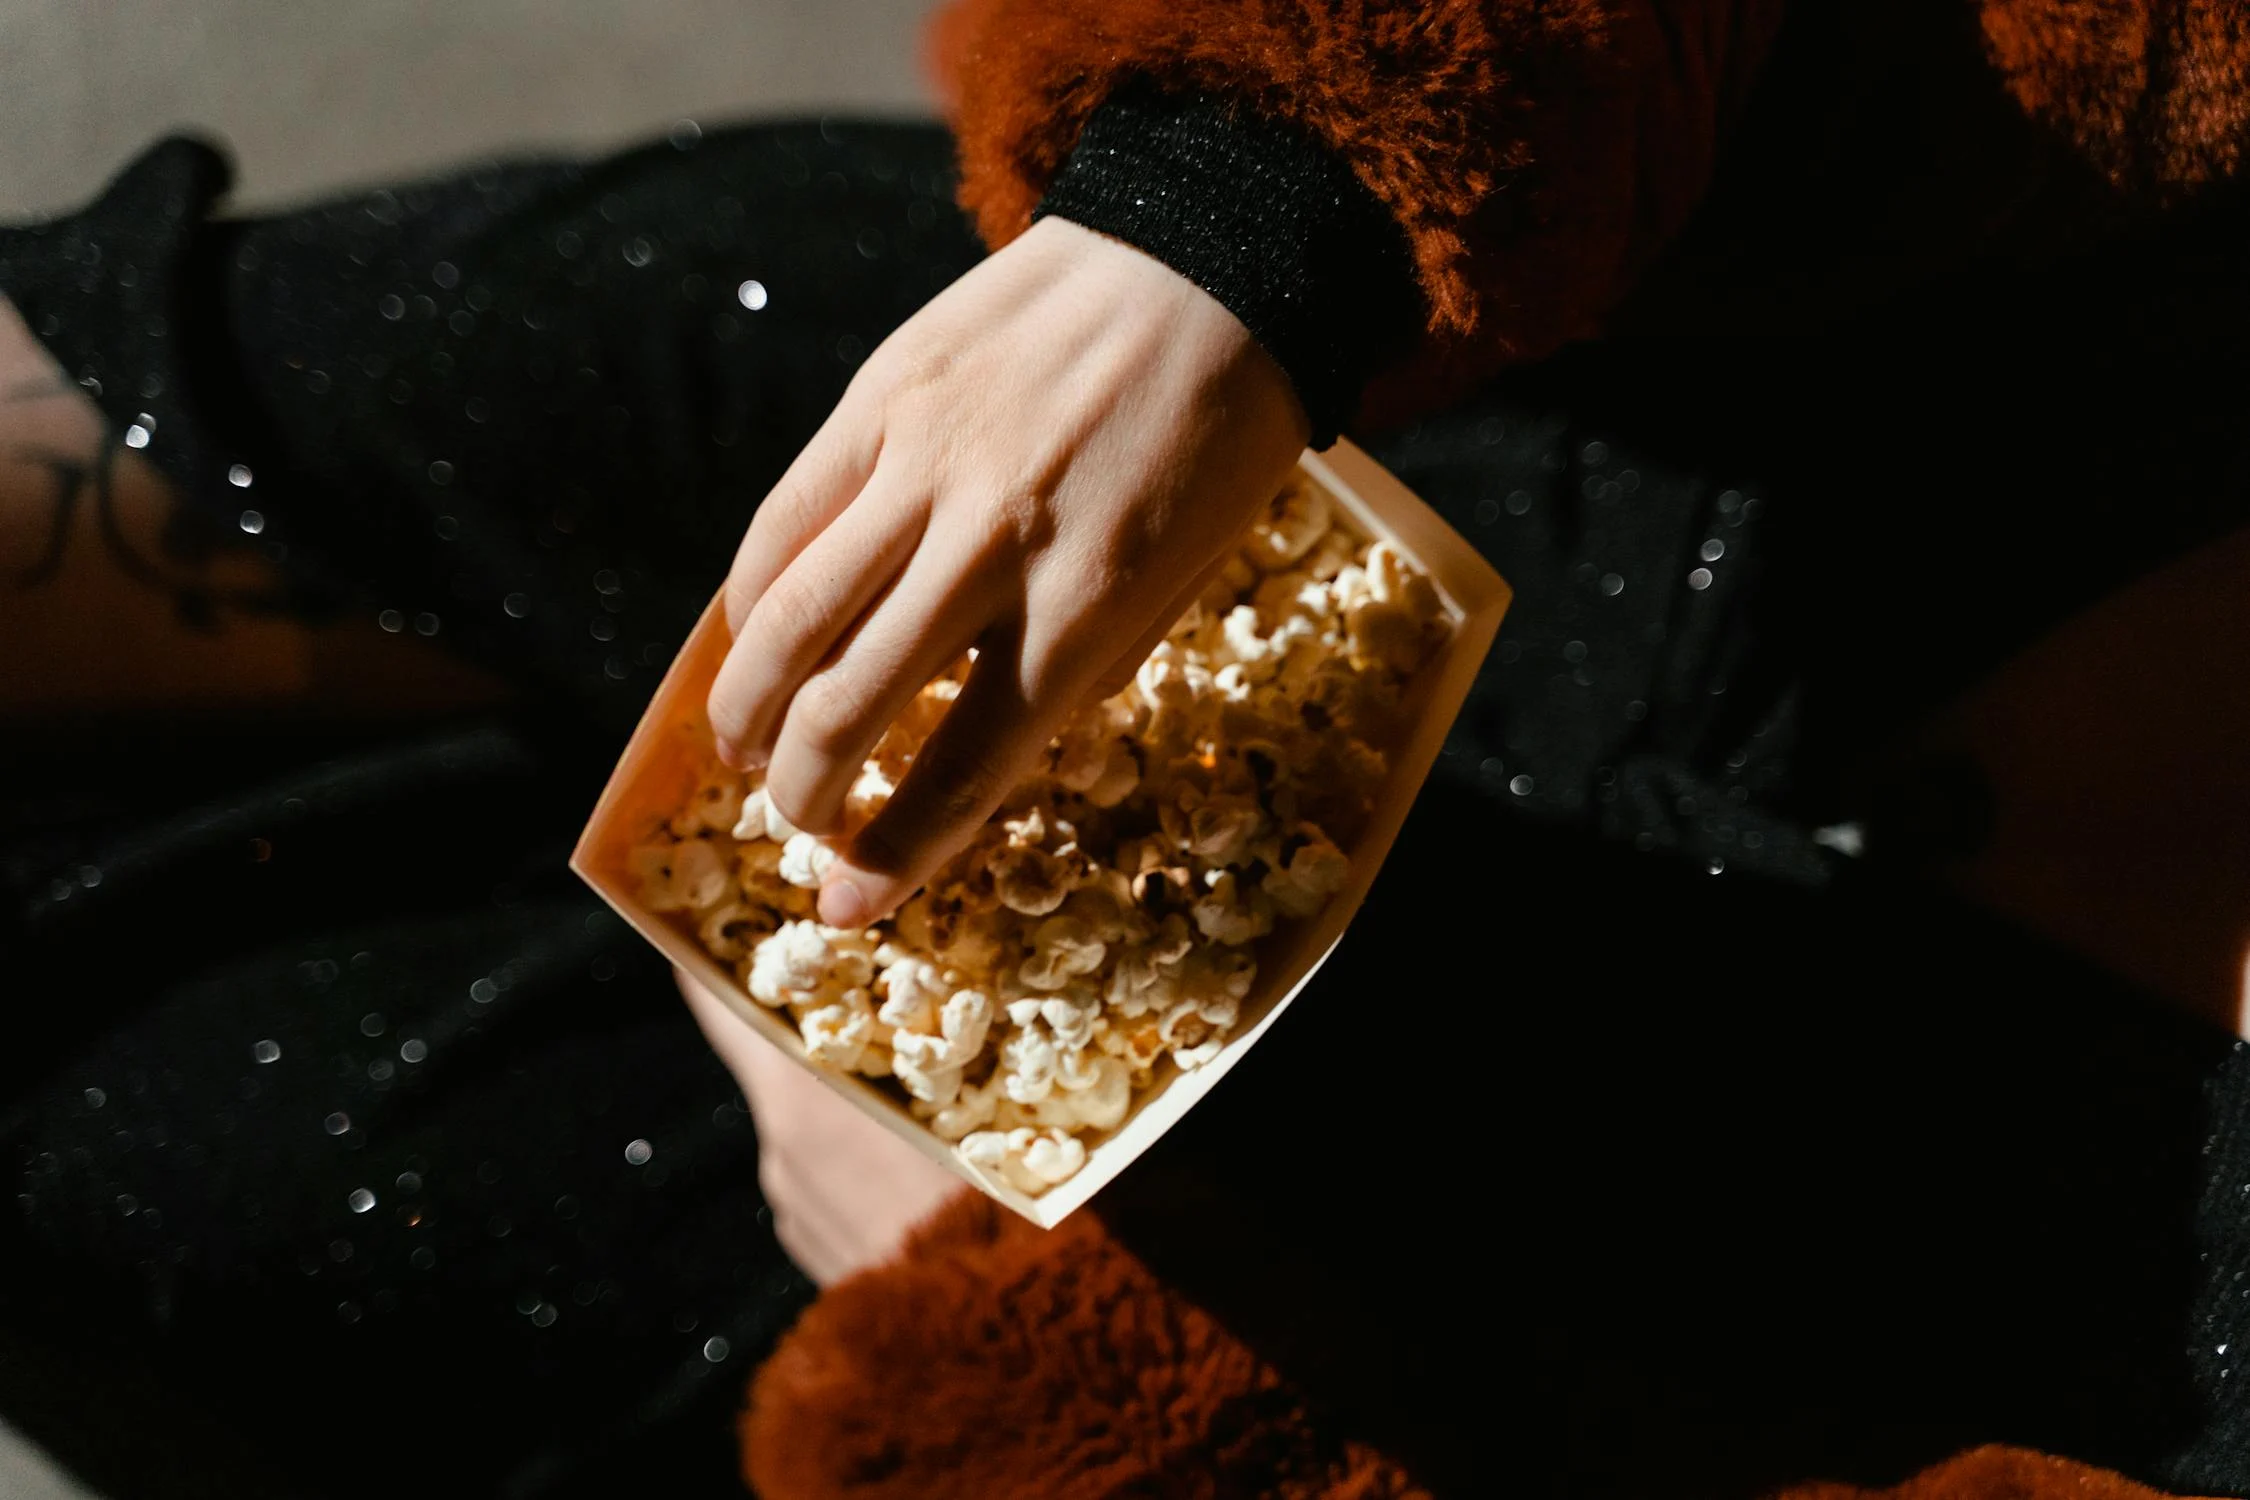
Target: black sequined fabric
356	1153
358	1147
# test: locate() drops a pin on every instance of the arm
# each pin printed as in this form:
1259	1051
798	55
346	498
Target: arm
1043	463
1532	157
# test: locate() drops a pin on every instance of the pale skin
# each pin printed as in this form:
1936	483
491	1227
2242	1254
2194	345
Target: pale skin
1041	465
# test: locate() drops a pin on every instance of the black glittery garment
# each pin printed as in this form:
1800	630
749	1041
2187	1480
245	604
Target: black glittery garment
1721	1160
359	1147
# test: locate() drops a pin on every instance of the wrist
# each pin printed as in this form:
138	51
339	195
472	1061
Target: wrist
1270	226
1185	318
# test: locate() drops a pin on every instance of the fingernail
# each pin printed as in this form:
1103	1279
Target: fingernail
843	903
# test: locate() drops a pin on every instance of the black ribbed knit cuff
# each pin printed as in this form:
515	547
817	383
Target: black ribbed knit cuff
1280	232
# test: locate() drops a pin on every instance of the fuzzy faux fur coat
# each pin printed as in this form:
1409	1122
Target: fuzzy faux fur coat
1543	161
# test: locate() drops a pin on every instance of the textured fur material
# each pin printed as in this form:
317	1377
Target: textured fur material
1994	1473
2154	93
1539	153
995	1359
1536	154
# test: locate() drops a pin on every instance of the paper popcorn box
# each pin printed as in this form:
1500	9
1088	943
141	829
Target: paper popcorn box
661	763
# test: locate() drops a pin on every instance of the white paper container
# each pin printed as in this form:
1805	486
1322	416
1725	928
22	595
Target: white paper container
661	763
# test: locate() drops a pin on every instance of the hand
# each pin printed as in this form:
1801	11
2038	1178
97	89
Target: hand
1043	463
844	1191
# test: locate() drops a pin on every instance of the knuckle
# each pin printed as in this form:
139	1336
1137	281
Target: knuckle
1012	514
790	611
830	712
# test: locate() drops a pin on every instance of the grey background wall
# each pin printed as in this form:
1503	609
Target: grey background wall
314	94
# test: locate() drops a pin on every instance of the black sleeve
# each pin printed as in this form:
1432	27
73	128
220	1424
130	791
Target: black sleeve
1251	210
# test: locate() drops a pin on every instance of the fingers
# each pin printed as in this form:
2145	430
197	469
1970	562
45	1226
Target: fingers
838	713
983	745
801	615
833	468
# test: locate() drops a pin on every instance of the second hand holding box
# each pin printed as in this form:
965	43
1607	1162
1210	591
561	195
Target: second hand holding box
734	892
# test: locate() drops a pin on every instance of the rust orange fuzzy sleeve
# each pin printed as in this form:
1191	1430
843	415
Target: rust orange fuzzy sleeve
1994	1473
2154	93
995	1359
1536	153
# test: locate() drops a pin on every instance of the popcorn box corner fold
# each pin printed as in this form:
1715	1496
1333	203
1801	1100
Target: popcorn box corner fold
661	762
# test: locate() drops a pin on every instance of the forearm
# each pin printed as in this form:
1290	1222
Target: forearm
1531	159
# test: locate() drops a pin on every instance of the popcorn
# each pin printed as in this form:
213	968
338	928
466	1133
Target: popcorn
913	989
1294	520
1389	609
1105	925
1027	1159
803	959
1027	877
837	1035
1303	871
929	1063
804	860
727	930
715	807
1027	1064
685	876
1230	914
1062	948
973	1109
760	819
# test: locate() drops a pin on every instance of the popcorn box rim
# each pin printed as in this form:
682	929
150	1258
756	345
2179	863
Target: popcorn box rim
1475	597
